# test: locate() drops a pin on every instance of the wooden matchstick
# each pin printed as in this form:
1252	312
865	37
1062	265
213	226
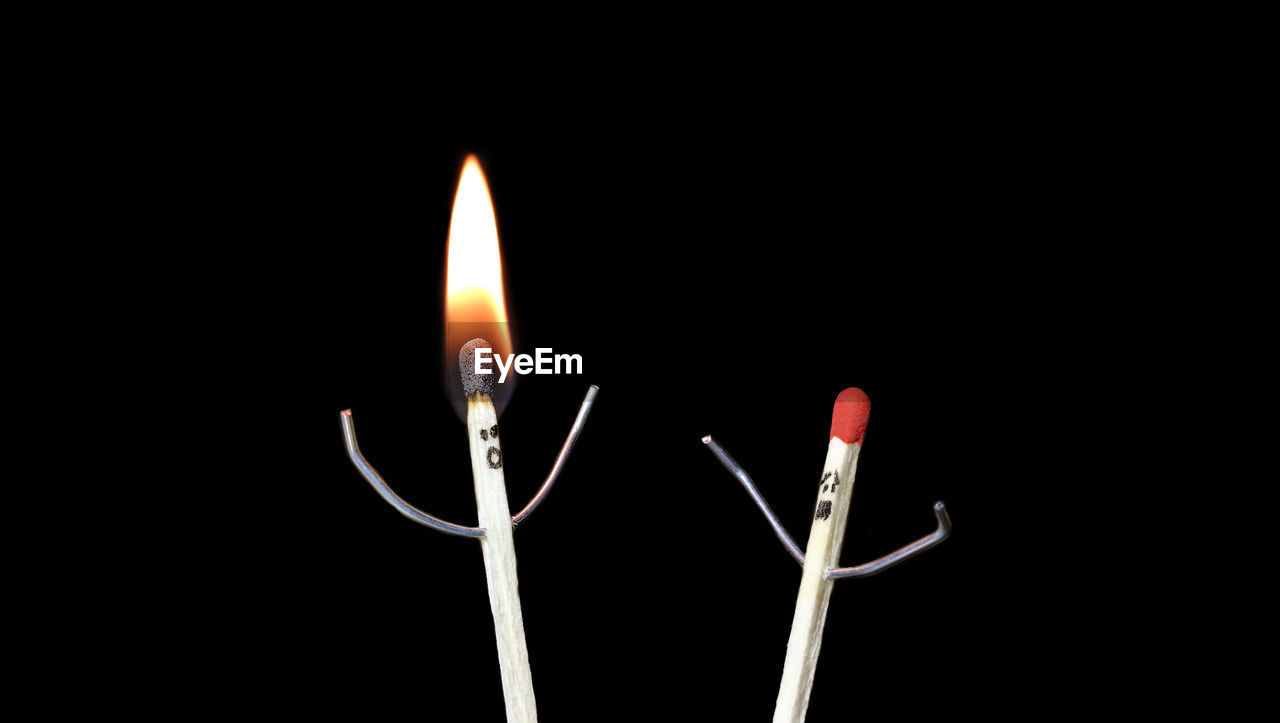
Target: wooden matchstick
848	424
497	545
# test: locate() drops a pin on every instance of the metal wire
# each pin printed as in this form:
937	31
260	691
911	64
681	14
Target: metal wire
732	465
574	431
380	485
840	573
371	475
893	558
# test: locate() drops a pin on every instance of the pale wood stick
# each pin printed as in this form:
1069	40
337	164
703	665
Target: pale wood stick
500	559
831	516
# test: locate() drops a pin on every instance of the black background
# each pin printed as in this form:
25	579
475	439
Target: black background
718	280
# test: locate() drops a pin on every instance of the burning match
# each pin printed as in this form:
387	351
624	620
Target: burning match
498	548
495	531
822	554
475	301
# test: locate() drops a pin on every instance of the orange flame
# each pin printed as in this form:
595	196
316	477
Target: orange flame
474	283
474	301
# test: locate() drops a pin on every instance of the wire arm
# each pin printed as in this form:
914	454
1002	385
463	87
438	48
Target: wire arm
380	485
558	465
840	573
893	558
732	465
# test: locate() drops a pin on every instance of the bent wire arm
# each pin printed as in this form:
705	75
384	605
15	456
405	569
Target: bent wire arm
574	431
893	558
732	465
371	475
870	568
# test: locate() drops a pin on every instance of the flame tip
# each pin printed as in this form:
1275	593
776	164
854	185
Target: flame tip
473	278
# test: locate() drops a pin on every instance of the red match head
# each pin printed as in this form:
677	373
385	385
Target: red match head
849	418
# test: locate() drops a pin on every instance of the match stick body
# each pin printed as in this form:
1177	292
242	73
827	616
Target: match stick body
500	559
831	516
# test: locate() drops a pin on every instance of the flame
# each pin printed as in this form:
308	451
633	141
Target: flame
473	286
474	301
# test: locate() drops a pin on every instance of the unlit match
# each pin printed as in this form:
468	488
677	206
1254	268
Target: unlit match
831	515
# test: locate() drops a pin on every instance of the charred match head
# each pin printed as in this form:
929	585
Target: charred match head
472	383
